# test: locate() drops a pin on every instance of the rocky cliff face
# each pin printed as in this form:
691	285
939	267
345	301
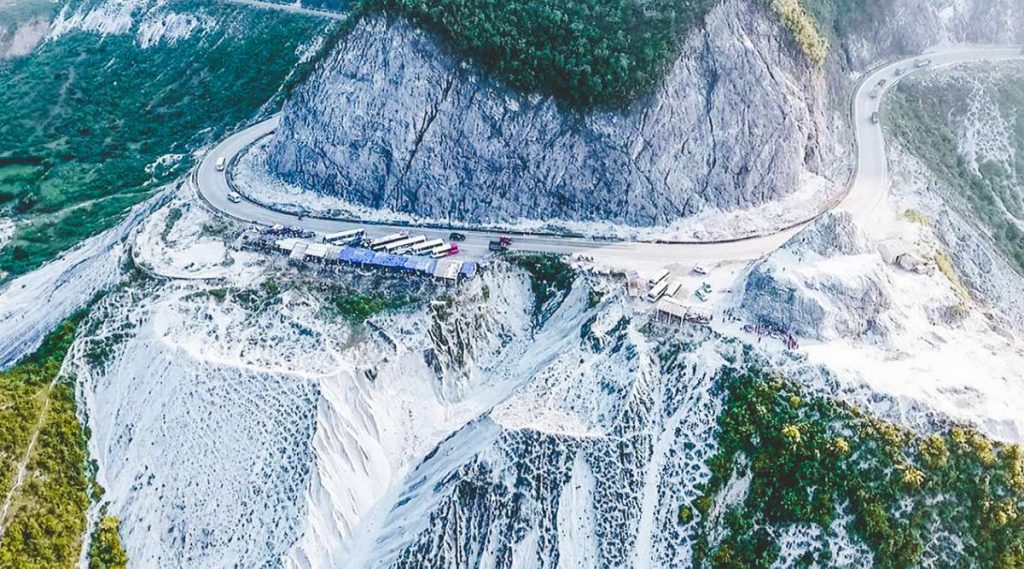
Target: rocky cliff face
823	284
911	26
391	120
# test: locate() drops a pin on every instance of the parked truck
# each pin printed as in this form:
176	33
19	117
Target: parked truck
500	244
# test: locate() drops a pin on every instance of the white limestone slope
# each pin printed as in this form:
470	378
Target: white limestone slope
199	424
33	304
151	22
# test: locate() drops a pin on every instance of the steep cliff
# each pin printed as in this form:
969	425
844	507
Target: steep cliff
872	29
393	120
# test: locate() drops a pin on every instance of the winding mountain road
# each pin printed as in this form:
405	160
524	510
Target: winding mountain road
868	186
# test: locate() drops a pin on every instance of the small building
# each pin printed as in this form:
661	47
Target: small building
911	262
900	254
447	270
317	251
891	249
468	270
298	252
670	311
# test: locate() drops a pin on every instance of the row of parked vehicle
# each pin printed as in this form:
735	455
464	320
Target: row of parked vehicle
919	64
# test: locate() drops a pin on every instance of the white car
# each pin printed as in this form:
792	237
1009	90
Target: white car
700	269
703	292
221	163
923	63
234	197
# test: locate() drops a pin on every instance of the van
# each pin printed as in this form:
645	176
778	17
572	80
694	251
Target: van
234	197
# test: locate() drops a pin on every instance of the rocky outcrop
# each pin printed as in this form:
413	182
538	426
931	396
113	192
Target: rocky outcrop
391	120
894	27
822	285
21	38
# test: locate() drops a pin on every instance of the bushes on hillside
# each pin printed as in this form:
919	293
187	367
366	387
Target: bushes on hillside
812	460
46	522
105	549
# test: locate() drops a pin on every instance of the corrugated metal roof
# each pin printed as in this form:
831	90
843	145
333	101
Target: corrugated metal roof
299	251
448	270
672	306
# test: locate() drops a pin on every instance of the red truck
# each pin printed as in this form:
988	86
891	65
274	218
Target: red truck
501	244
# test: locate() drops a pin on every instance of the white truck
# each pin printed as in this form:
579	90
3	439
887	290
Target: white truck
659	277
426	247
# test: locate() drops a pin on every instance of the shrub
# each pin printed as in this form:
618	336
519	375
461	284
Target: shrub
47	519
105	549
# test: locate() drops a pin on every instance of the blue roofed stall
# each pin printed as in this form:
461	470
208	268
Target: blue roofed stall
468	270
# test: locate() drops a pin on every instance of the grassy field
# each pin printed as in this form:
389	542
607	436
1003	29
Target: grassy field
928	114
93	125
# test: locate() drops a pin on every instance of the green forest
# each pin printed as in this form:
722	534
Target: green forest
584	52
39	427
596	53
813	460
95	124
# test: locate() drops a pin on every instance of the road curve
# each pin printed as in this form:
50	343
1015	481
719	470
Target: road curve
868	185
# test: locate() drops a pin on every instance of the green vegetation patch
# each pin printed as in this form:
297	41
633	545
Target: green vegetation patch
105	548
927	113
803	27
357	306
46	521
584	52
837	19
86	118
811	460
550	278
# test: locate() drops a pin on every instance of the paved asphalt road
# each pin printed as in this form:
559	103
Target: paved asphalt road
868	186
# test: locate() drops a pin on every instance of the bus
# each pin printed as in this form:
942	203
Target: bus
345	236
673	288
403	245
444	251
657	291
659	277
426	247
379	243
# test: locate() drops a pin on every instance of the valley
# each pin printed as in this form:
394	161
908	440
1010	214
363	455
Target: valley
728	283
